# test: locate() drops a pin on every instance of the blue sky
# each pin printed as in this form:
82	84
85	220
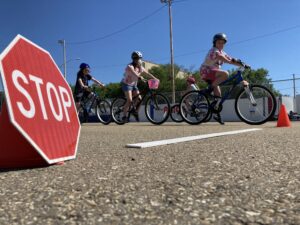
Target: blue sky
195	22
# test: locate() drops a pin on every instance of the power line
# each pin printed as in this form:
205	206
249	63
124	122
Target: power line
282	89
267	35
274	81
240	42
178	1
120	30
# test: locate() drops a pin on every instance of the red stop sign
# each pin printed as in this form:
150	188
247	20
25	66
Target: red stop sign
39	100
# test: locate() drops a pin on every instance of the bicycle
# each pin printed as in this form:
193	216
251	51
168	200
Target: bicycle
254	104
157	106
94	104
175	114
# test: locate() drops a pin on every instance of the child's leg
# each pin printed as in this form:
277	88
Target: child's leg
128	95
138	99
221	76
78	99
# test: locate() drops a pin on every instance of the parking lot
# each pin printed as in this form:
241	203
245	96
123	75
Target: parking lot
248	178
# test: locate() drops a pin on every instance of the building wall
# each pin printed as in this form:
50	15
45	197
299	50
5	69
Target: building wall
297	104
149	65
228	113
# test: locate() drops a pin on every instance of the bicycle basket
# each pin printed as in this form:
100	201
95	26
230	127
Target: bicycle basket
153	83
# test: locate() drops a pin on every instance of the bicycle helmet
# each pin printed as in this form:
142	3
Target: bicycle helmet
191	79
219	36
136	55
84	66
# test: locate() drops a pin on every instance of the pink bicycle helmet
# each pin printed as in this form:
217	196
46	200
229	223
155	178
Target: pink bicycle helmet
191	79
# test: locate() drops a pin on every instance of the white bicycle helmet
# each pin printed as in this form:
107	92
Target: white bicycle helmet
136	55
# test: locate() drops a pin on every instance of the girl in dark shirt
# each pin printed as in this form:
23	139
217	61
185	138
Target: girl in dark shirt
82	83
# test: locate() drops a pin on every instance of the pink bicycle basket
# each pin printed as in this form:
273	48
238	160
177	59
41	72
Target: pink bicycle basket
153	83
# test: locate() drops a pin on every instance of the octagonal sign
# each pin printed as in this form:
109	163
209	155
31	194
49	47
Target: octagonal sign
39	100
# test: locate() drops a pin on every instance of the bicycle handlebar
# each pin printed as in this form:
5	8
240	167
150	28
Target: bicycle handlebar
242	64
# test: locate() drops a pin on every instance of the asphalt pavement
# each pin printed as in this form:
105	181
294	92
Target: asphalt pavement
249	178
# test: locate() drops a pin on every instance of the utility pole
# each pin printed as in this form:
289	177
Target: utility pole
63	43
171	47
294	85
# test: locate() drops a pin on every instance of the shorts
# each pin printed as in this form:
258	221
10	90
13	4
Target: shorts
208	74
126	87
81	95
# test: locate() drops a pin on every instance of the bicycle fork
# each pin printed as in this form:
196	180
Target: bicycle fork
250	95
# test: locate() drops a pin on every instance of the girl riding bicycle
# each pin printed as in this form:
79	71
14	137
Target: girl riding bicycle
210	70
82	90
133	72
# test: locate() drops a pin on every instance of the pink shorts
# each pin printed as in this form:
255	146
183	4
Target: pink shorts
208	74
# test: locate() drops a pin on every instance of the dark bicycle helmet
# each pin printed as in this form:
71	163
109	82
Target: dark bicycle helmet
84	66
136	55
219	36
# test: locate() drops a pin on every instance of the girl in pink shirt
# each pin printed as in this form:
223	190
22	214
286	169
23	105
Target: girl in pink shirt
133	73
210	70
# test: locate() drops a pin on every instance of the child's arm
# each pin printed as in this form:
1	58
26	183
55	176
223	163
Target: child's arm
150	75
97	82
82	84
227	59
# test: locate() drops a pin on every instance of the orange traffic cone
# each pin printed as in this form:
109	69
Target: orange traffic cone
283	118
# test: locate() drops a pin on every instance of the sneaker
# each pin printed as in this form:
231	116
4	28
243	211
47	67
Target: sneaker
219	119
136	116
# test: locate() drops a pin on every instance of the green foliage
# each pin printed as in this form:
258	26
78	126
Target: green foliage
163	73
72	87
111	90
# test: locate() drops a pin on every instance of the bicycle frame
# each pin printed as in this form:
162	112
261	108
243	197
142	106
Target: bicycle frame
143	94
237	79
93	100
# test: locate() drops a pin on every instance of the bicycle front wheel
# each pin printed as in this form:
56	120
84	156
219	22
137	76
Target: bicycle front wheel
157	109
175	114
117	112
255	104
194	107
103	111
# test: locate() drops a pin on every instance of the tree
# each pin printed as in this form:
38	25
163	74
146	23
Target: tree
111	90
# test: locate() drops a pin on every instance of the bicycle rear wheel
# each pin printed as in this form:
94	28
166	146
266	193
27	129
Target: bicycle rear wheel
103	111
157	108
175	114
194	107
117	112
255	105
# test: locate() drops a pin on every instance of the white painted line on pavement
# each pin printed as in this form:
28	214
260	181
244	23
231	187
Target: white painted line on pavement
190	138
